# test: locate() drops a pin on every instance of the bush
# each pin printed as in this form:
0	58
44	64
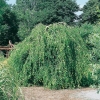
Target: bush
94	40
53	56
1	56
96	74
9	88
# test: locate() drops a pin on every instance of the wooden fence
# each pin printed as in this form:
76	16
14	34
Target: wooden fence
6	49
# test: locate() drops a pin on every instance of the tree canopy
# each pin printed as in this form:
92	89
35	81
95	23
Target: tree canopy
8	24
91	12
32	12
48	11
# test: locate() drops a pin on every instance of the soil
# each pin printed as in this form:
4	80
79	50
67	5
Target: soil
40	93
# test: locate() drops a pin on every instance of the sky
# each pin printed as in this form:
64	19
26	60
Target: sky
11	1
81	2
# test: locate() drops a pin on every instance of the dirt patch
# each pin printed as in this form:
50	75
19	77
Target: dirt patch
40	93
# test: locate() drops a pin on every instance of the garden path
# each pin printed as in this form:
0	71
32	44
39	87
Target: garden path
40	93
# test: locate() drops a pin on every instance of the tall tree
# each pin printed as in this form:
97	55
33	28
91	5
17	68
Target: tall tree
8	24
2	8
11	23
51	11
32	12
25	13
91	12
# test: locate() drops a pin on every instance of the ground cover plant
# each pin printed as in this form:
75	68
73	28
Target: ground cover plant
53	56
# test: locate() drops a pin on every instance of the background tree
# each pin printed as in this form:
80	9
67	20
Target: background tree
2	8
8	25
94	44
25	14
48	11
91	12
32	12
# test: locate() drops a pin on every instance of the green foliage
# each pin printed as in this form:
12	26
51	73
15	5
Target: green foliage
23	31
56	11
88	80
91	12
53	56
96	74
3	5
86	30
9	28
32	12
91	37
1	56
94	44
24	10
8	24
9	88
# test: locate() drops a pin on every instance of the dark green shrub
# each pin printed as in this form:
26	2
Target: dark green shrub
86	30
86	81
53	56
